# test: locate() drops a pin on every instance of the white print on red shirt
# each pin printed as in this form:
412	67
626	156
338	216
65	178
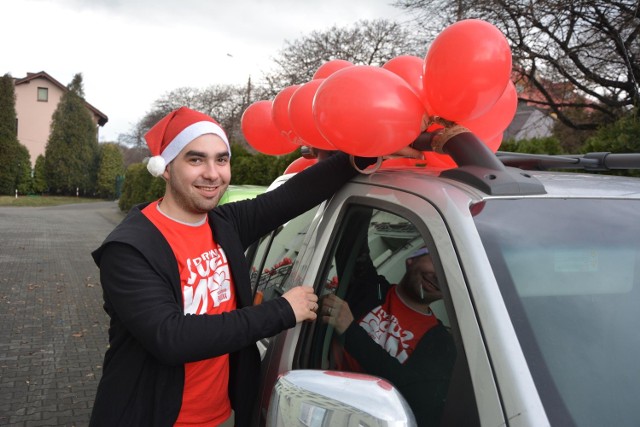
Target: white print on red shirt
208	282
384	329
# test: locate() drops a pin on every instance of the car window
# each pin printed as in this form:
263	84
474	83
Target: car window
387	275
569	272
275	256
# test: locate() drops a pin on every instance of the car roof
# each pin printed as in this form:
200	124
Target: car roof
556	184
589	184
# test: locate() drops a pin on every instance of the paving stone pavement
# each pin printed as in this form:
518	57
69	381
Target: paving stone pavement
53	331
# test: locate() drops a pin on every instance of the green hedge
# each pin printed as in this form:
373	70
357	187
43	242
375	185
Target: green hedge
139	187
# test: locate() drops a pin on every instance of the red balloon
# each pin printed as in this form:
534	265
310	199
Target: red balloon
299	165
408	67
328	68
439	161
367	111
434	127
301	115
431	160
466	70
402	162
498	118
259	130
280	114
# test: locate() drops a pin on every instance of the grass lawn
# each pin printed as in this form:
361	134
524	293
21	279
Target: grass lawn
35	201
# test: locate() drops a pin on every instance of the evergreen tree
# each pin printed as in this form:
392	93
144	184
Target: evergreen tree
111	166
24	183
9	145
39	180
622	136
548	145
72	151
137	187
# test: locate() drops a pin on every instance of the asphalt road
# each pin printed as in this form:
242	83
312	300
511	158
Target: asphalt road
54	330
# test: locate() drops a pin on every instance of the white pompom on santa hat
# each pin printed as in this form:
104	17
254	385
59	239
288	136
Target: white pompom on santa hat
177	129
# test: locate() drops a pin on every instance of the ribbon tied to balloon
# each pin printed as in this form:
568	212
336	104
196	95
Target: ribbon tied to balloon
464	80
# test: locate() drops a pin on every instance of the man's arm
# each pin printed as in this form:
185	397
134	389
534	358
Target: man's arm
256	217
432	359
144	302
423	379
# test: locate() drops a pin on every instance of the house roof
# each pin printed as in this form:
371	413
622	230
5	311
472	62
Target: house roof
102	118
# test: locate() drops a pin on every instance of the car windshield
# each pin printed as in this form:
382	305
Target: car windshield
569	272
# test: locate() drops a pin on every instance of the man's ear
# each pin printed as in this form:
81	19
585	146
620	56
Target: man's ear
165	175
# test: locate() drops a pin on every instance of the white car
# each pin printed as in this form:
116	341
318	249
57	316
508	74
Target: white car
540	273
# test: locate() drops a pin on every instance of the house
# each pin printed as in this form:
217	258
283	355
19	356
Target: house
529	122
532	120
37	97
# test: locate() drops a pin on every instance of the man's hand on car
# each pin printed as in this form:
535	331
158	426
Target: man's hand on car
336	312
303	301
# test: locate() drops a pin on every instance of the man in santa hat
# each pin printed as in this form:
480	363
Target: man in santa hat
176	283
390	331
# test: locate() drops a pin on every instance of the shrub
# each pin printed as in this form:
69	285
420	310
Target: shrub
137	187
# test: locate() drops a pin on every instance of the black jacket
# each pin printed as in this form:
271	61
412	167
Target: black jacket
150	338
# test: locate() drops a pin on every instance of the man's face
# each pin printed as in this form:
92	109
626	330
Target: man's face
421	280
197	178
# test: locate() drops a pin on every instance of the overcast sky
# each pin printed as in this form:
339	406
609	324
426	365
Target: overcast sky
131	52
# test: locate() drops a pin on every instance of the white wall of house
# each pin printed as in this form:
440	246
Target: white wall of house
537	125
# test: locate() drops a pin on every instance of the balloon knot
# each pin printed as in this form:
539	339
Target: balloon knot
437	120
439	140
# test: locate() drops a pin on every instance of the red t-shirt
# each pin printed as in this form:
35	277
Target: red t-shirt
207	288
396	327
393	326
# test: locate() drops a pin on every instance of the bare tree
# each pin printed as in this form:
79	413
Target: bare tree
225	103
135	137
570	55
366	42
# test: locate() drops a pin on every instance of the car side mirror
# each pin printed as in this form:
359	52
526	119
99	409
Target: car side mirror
316	398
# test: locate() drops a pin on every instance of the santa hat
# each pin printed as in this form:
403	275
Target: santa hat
177	129
418	253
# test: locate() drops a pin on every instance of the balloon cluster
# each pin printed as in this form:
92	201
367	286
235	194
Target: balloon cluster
373	111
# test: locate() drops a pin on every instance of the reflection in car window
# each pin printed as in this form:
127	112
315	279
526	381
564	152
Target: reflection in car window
569	271
275	256
385	276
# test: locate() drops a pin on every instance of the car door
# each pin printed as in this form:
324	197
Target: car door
272	259
388	226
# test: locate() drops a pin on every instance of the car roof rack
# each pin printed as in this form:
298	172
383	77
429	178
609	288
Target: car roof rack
593	162
479	167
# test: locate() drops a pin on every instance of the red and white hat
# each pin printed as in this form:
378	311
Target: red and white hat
177	129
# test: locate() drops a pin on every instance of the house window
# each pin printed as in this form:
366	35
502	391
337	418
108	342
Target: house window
43	94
